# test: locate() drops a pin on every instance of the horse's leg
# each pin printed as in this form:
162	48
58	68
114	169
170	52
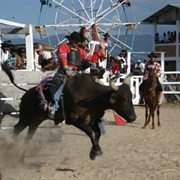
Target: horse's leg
149	117
146	116
96	150
152	110
158	114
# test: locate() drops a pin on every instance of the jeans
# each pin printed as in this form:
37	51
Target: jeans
57	93
57	96
102	125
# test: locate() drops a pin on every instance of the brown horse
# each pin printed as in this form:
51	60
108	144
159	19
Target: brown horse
151	99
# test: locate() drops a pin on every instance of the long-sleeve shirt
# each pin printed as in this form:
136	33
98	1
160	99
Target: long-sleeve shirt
64	49
155	66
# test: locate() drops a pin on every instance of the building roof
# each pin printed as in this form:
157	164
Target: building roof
167	15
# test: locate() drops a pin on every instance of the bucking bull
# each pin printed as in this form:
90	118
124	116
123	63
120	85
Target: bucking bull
84	103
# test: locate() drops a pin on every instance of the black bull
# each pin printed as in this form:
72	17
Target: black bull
85	102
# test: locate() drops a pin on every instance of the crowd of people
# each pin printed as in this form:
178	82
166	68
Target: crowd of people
13	56
167	37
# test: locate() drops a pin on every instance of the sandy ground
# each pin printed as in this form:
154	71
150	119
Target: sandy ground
129	152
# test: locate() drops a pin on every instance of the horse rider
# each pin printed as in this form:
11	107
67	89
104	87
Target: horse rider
70	56
152	64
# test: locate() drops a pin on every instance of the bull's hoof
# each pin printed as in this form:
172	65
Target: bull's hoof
93	154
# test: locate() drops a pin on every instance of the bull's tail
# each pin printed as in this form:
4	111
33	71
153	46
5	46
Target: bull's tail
7	70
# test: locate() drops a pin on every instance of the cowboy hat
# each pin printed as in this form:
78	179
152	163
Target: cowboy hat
152	55
39	48
106	34
74	35
94	72
7	44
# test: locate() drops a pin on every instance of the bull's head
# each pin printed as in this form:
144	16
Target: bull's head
121	99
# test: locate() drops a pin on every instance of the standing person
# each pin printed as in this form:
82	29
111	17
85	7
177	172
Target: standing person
86	36
152	64
156	38
123	62
45	59
11	61
70	56
107	41
139	68
164	38
4	50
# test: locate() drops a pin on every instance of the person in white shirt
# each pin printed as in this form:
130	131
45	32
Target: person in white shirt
4	50
139	67
45	59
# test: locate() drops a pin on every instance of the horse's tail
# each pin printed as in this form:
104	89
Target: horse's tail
7	70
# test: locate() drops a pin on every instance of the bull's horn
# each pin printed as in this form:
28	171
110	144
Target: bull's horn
111	83
127	79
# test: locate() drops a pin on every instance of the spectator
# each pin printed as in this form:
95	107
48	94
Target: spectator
70	57
86	36
107	41
116	66
139	68
110	62
144	64
132	65
169	36
156	38
173	36
11	61
45	59
4	50
21	58
164	38
123	64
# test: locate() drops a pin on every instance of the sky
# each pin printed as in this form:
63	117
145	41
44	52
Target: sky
28	11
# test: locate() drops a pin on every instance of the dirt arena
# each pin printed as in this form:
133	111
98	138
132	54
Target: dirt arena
129	152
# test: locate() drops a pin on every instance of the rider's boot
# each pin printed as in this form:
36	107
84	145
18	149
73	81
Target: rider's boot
52	110
160	98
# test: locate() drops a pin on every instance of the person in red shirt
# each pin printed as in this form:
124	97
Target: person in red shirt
115	67
70	57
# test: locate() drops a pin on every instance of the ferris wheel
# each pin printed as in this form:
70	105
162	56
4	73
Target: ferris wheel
99	16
